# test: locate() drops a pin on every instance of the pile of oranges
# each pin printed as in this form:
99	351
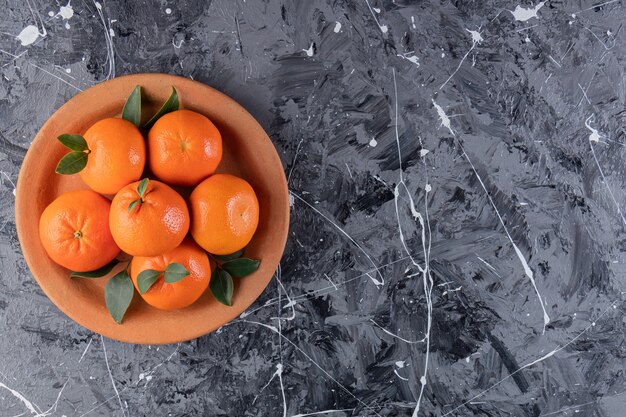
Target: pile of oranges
179	246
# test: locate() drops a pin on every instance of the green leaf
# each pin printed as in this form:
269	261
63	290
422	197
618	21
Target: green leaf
132	108
146	278
230	257
118	294
132	205
74	142
169	106
222	286
241	267
141	188
72	163
98	272
174	273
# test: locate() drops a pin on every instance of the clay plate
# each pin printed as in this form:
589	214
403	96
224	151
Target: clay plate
248	153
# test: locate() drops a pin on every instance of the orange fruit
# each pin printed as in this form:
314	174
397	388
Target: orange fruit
157	223
184	147
74	231
117	155
180	294
224	214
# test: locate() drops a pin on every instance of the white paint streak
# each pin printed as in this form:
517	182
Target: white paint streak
337	27
66	12
369	258
409	56
290	302
54	75
150	373
331	281
594	136
10	181
295	158
53	407
383	28
147	375
554	61
309	52
317	413
488	264
395	335
452	290
324	290
28	35
106	361
594	6
400	376
522	14
109	42
476	36
310	359
279	373
23	399
476	40
445	121
349	172
426	245
542	358
85	351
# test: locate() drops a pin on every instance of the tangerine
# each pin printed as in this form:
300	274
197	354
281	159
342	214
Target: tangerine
74	231
180	294
184	147
150	223
117	155
224	214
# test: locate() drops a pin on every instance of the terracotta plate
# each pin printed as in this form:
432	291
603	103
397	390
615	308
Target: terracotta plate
248	153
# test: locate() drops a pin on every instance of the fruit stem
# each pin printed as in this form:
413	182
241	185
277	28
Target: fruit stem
78	234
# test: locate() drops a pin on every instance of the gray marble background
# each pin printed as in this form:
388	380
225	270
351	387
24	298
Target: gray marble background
457	245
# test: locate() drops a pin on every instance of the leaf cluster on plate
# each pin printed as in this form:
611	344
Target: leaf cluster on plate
229	266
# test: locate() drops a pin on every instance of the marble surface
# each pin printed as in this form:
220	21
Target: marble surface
457	245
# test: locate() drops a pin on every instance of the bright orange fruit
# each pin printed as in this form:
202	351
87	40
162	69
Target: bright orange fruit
224	214
155	225
74	231
117	155
184	147
183	293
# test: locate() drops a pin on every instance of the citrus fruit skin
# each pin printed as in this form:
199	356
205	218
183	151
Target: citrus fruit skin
224	214
184	147
117	155
153	227
180	294
74	231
